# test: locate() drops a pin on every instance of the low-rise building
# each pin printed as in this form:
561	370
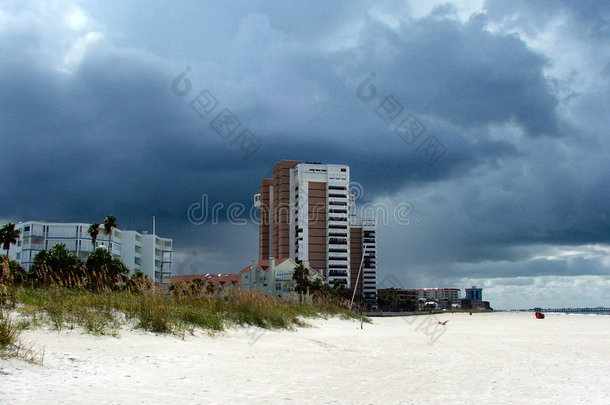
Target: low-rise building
477	305
451	295
397	299
440	298
150	254
273	277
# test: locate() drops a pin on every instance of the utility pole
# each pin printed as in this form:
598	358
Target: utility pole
364	247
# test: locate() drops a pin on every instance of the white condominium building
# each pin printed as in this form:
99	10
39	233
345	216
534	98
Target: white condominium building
306	215
150	254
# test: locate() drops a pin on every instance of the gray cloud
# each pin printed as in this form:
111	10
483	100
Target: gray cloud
90	125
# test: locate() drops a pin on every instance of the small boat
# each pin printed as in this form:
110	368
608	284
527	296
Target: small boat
539	315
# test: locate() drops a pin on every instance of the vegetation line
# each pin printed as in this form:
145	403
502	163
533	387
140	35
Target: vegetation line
98	294
100	298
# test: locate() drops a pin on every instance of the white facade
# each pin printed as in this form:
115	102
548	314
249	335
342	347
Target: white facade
334	208
150	254
274	279
315	198
450	294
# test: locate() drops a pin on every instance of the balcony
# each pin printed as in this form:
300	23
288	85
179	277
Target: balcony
338	219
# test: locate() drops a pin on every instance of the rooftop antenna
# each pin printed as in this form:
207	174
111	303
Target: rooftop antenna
153	225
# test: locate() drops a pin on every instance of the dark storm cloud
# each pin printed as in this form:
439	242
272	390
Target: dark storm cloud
115	116
108	135
462	73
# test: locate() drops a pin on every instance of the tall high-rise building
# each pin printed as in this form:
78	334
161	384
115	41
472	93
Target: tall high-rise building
308	214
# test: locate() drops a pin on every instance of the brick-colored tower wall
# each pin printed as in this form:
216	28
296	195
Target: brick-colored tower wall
264	226
281	208
355	249
317	225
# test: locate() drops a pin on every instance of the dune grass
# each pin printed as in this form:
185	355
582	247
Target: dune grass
105	313
8	332
11	344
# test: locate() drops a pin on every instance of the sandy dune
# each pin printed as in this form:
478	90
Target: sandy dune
500	358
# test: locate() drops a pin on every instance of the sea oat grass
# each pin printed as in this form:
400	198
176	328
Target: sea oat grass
9	333
105	312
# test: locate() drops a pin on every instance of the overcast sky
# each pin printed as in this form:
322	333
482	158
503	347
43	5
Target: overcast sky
480	137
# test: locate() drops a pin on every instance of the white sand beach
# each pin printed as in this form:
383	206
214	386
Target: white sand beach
499	358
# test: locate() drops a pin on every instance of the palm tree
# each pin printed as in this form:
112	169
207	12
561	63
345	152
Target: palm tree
9	236
300	276
57	265
109	225
93	231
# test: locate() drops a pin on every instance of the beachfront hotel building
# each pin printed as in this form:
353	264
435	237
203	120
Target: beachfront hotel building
451	295
308	215
148	253
442	297
474	293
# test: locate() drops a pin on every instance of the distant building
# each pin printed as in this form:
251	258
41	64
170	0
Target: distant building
474	294
402	294
477	305
150	254
436	297
397	299
450	295
307	214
